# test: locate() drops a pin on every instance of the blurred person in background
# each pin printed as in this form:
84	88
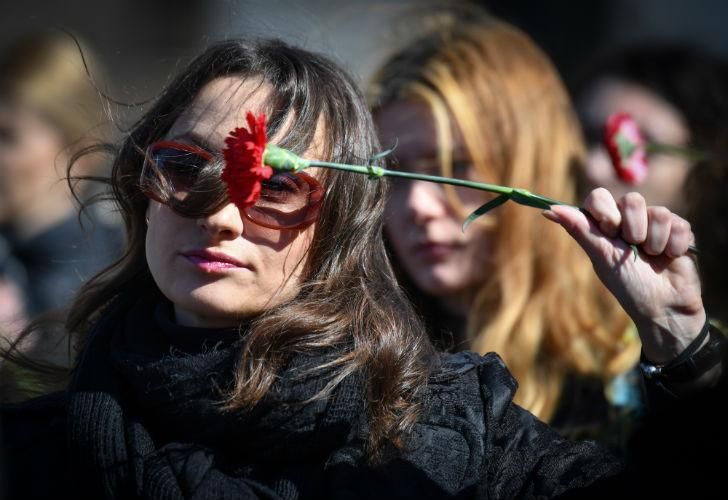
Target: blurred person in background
678	95
50	110
12	283
477	99
707	202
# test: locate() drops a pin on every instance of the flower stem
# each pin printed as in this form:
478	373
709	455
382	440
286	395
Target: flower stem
383	172
670	149
285	160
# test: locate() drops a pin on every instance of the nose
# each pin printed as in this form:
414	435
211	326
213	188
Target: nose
226	223
426	201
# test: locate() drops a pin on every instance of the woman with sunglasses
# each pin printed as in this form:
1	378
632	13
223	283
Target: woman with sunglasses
267	352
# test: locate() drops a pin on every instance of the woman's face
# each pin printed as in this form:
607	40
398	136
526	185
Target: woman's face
222	267
660	122
424	228
31	160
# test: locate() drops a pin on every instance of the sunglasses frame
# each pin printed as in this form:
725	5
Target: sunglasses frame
316	192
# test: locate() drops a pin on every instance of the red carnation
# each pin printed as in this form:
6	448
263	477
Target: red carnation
244	169
627	148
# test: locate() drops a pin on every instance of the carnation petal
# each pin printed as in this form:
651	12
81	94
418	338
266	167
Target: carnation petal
244	170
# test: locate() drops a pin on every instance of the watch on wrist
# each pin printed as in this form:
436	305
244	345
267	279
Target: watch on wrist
693	362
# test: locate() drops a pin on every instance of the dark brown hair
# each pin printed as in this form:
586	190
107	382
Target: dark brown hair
349	299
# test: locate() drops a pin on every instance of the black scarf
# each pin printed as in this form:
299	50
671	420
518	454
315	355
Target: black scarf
145	419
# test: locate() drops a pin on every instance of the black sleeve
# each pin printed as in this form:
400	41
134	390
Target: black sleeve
180	470
525	458
34	451
472	441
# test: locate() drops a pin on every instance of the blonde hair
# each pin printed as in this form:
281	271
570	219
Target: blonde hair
50	72
542	309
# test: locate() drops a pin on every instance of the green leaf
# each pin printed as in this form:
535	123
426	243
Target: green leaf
381	155
496	202
525	197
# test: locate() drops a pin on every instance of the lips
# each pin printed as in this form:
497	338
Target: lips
212	260
432	250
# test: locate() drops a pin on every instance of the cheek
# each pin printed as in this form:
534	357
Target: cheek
41	153
400	237
295	261
478	249
396	205
159	240
286	262
665	180
395	220
599	166
599	172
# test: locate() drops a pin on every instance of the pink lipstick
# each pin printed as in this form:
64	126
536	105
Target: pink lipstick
212	261
431	251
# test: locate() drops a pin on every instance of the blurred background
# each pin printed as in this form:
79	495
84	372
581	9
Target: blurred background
134	47
141	42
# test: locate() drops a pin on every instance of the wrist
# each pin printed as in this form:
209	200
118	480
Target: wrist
666	340
699	365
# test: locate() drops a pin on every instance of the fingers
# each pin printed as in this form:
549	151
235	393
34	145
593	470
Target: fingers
601	206
576	224
659	222
655	229
634	218
681	237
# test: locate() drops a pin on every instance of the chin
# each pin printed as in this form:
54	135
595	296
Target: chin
439	286
207	315
206	306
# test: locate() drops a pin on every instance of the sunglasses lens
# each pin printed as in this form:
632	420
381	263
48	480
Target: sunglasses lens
287	200
171	171
180	167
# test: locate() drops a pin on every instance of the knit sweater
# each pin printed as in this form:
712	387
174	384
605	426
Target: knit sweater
141	419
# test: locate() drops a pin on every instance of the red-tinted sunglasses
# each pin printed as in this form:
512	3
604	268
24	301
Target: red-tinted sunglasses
287	200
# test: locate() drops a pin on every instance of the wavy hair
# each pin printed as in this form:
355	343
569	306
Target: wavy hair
541	308
349	299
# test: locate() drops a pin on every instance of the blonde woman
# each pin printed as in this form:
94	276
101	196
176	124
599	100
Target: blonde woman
50	110
478	99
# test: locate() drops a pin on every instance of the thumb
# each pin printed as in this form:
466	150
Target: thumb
586	233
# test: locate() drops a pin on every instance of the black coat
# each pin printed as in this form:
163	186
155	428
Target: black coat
56	262
140	421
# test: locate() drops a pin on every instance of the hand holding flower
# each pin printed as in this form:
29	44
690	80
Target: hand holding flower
660	290
249	160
